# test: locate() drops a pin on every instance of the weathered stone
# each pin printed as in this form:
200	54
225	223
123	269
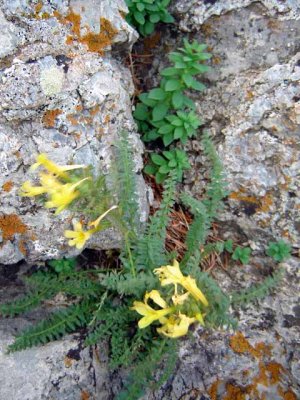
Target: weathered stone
251	107
61	93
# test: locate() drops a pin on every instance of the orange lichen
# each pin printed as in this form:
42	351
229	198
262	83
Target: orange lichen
75	20
94	110
240	344
263	203
22	247
72	119
234	393
97	42
10	224
213	390
269	375
263	349
50	116
38	7
289	395
85	395
7	186
107	119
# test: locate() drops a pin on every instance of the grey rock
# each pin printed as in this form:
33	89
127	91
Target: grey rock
251	107
61	96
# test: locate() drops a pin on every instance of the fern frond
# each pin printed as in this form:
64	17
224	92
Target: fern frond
145	370
107	320
57	325
25	303
150	249
216	190
69	284
126	284
205	210
125	184
258	291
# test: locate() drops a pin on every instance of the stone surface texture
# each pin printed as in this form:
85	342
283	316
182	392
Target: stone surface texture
252	109
61	93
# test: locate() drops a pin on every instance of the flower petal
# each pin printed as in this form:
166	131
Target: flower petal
156	297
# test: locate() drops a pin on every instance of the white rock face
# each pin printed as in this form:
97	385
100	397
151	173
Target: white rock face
61	93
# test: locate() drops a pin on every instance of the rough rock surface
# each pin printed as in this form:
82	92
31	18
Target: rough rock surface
61	93
252	109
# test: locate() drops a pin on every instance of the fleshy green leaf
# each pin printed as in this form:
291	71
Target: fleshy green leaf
177	99
169	71
157	159
159	111
172	84
141	112
139	17
157	94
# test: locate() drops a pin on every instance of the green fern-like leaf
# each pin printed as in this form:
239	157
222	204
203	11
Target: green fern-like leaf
216	190
150	249
144	371
126	284
25	303
258	291
125	184
57	325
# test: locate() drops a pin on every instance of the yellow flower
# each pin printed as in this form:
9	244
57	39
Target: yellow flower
171	274
150	314
99	219
78	236
176	326
42	160
156	297
180	298
199	318
29	191
63	195
50	182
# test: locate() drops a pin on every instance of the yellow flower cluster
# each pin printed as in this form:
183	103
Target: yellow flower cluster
55	183
175	323
78	236
60	194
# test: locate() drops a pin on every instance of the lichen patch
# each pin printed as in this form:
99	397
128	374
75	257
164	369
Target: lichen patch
96	42
10	224
7	186
50	116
